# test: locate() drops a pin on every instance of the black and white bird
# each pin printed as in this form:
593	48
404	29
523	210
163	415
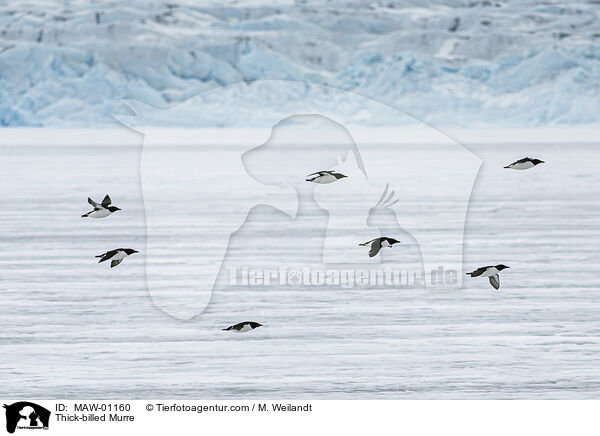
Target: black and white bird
524	164
101	210
324	177
245	326
491	272
378	243
116	256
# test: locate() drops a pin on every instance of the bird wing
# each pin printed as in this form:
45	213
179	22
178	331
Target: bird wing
106	202
93	203
520	161
368	242
115	263
320	173
107	255
375	247
238	326
478	271
495	281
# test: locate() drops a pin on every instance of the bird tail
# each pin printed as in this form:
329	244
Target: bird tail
85	215
470	274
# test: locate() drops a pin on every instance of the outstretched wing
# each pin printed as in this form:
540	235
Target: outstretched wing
495	281
320	173
477	272
93	203
375	247
115	263
106	202
520	161
368	242
107	255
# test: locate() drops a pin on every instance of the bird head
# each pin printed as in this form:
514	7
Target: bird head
130	251
537	161
113	208
501	267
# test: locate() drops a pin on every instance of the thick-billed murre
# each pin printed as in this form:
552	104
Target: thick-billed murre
101	210
378	243
116	256
491	272
524	164
324	177
244	326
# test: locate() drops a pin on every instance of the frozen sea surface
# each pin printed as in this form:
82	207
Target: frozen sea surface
72	328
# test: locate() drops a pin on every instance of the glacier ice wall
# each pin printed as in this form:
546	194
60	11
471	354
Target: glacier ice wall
446	62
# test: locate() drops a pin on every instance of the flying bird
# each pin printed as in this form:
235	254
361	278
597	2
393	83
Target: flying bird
116	256
244	326
491	272
524	164
324	177
101	210
378	243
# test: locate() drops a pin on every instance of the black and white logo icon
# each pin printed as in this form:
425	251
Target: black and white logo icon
26	415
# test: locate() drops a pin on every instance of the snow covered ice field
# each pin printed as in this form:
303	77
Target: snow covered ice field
73	328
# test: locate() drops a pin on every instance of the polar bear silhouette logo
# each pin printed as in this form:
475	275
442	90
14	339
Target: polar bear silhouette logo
27	415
